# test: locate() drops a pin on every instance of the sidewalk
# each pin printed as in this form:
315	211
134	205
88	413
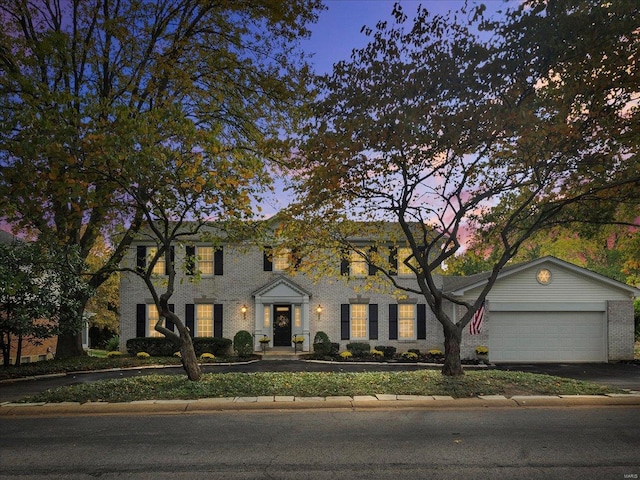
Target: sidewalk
382	402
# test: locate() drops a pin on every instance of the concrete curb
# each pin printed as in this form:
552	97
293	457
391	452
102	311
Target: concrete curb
357	403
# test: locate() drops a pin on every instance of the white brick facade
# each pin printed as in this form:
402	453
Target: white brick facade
245	284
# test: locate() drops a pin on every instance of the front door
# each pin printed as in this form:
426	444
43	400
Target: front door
282	326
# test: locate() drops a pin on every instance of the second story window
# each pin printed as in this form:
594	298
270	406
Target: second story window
357	264
160	267
281	259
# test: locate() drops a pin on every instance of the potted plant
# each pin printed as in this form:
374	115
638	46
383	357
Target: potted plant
482	354
297	340
264	343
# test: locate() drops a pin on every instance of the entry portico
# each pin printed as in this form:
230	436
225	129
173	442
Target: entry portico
281	312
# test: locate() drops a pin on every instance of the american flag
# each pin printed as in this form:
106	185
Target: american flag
475	326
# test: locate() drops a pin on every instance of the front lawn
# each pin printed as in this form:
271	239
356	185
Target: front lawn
306	384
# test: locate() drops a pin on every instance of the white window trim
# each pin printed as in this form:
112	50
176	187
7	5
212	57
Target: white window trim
366	322
414	337
197	261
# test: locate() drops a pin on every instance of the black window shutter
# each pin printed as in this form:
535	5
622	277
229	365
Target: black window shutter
393	321
393	260
372	268
344	322
218	261
422	321
190	261
296	258
217	320
190	315
168	323
344	266
141	319
141	258
172	257
267	260
373	321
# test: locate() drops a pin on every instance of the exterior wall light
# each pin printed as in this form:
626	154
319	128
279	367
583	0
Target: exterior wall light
243	309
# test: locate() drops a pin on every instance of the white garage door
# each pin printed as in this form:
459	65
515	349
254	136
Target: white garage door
547	337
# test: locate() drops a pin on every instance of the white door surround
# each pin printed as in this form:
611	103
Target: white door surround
281	291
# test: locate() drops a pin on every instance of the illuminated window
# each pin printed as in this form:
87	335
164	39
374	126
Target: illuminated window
358	321
267	316
204	320
297	316
159	267
403	268
152	320
358	265
406	322
281	259
205	260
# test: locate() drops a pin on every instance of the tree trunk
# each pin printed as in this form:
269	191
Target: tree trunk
188	355
69	345
452	364
6	350
18	351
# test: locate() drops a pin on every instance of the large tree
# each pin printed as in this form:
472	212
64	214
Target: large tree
453	123
38	287
94	94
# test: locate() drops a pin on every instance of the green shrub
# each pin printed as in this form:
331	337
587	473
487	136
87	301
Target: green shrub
322	344
387	351
113	344
411	356
243	343
217	346
359	349
163	347
335	348
154	346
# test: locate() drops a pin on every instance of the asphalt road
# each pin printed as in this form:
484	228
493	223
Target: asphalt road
531	443
614	374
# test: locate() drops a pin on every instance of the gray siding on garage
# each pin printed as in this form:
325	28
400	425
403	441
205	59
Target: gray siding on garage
577	317
548	336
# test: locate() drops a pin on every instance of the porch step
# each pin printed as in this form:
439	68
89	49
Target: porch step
280	354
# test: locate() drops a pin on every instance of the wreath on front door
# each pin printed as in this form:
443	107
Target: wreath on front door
282	321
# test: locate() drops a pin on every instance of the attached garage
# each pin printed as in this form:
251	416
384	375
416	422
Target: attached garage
548	310
548	337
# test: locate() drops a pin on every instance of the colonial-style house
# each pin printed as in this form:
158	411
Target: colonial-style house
544	311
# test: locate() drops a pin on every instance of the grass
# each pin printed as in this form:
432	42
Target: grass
307	384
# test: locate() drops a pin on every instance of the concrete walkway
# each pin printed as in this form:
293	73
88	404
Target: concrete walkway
367	402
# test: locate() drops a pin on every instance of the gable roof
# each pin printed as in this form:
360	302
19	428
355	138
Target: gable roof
284	281
460	285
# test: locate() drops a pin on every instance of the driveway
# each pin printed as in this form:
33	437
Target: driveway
620	375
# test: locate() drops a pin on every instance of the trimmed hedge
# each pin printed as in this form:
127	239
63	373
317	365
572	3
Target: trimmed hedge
322	344
359	349
243	343
387	351
163	347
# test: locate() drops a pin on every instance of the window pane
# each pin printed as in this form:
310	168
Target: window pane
205	260
158	268
358	265
359	321
204	319
403	254
406	321
152	319
281	259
